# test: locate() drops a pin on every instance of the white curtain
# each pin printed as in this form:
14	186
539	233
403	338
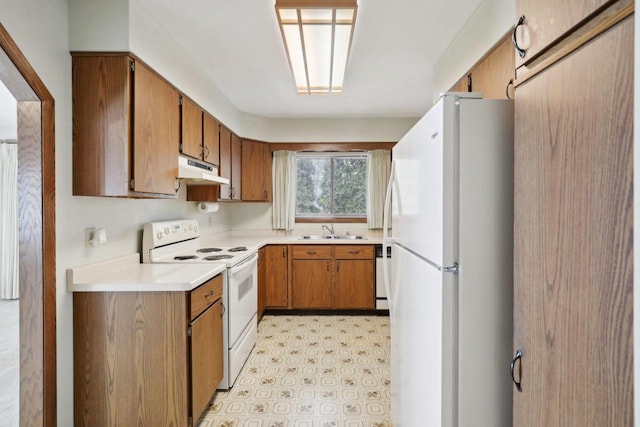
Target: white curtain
378	170
284	190
8	221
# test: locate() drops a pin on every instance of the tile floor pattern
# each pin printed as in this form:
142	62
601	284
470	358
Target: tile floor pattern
311	371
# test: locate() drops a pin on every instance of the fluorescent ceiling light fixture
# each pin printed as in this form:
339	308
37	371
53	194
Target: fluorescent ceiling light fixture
317	36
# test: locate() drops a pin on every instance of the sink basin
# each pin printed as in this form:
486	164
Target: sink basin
316	236
332	236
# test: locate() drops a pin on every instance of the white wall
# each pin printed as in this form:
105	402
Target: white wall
484	28
99	25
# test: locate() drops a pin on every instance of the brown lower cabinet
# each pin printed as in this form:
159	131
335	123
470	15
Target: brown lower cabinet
276	283
332	276
146	358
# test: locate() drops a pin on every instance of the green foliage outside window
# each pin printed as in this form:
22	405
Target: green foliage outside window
331	185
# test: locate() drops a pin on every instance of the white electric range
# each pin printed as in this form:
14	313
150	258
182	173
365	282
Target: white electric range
179	242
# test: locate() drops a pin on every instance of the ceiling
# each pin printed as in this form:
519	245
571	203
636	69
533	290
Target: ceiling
237	44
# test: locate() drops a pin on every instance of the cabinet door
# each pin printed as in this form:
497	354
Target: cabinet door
211	140
225	162
191	142
267	161
156	134
277	294
547	20
312	286
253	171
206	357
573	226
354	284
262	282
236	167
491	75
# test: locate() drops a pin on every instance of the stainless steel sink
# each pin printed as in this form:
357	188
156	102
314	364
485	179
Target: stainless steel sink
332	236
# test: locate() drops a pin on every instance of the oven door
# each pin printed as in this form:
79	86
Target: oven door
243	296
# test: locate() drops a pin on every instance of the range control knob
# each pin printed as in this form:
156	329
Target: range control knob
195	228
190	227
159	235
167	230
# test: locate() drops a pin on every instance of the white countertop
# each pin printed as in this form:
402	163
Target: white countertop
259	238
127	274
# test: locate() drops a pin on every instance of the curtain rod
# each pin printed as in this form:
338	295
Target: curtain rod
8	141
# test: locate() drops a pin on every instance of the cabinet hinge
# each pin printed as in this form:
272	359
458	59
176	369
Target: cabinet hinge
469	83
132	184
132	66
189	331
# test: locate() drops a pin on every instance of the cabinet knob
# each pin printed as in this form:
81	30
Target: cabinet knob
514	38
337	265
517	358
284	252
311	252
354	252
205	151
265	194
506	90
327	265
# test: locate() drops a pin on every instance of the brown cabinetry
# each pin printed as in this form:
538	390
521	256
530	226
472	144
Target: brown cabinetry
333	276
262	281
230	164
171	359
126	128
491	74
211	139
276	283
548	20
354	277
256	171
312	278
191	123
573	226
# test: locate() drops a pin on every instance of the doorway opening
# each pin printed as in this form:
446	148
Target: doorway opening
36	235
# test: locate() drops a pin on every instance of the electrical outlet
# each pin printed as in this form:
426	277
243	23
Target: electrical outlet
88	237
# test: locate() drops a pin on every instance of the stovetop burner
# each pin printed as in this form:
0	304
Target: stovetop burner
217	257
184	257
238	249
207	250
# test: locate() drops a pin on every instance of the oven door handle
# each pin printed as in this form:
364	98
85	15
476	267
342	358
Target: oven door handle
244	265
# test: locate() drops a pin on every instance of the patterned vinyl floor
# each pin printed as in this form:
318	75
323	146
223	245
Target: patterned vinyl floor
311	371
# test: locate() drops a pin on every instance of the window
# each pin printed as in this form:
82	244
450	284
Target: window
331	185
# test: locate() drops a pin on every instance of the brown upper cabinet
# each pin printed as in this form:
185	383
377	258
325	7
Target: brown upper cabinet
546	21
492	74
230	164
211	139
191	142
256	171
126	128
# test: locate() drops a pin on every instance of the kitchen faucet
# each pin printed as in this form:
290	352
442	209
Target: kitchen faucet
330	230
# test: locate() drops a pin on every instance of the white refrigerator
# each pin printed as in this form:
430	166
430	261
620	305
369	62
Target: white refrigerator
451	297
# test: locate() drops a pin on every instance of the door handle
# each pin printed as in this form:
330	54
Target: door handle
517	358
311	252
514	38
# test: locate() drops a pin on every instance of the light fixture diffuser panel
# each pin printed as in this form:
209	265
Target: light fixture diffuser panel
317	40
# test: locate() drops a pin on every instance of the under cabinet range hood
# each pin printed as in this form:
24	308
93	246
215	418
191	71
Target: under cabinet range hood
198	173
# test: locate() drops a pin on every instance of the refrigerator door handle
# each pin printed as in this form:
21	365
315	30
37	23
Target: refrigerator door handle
385	237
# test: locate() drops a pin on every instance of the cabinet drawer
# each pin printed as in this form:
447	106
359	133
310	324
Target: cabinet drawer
205	295
354	252
312	252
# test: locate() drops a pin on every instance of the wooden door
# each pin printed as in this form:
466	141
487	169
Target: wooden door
267	161
156	133
354	284
262	282
547	20
573	259
312	284
491	75
236	167
191	142
206	357
225	162
276	261
211	139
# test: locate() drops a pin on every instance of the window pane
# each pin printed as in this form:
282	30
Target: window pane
313	193
350	186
